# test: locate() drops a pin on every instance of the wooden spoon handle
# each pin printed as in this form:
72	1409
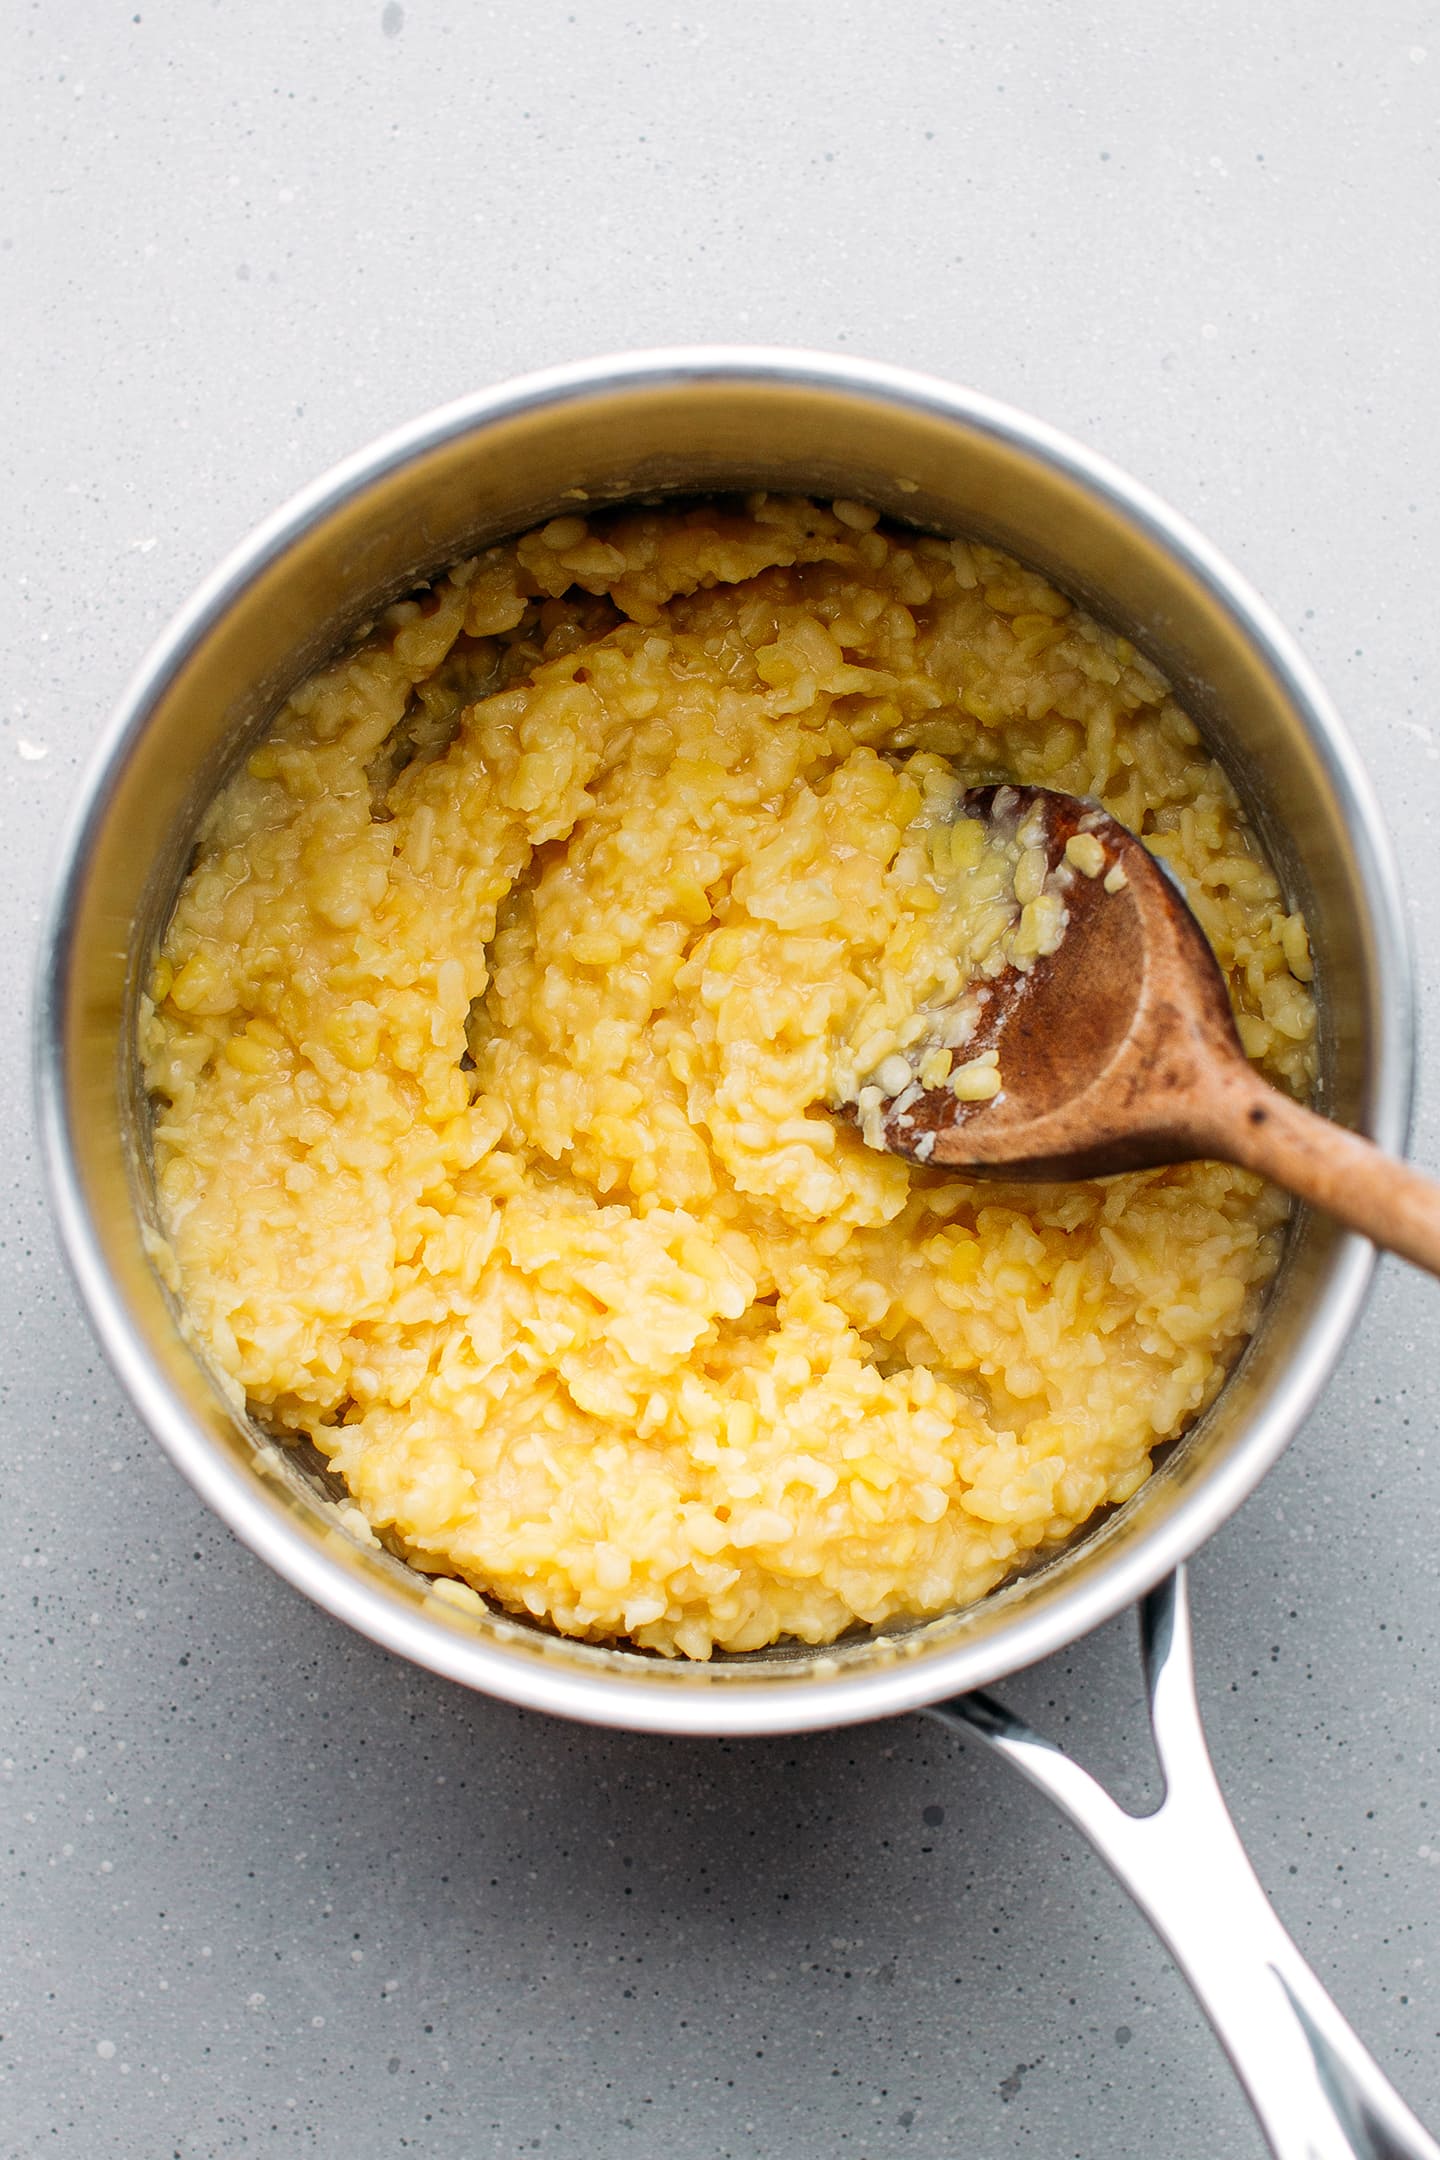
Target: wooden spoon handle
1350	1178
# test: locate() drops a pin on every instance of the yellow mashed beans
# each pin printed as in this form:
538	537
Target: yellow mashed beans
973	900
489	1047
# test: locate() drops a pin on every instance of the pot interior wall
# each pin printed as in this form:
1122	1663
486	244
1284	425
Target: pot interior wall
290	603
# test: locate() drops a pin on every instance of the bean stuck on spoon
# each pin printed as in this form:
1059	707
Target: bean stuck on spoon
1117	1051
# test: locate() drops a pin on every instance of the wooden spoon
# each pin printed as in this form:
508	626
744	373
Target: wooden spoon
1118	1052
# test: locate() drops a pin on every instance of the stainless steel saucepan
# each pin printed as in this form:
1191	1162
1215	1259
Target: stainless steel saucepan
945	460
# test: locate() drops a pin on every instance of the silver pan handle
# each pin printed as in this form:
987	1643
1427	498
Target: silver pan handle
1318	2093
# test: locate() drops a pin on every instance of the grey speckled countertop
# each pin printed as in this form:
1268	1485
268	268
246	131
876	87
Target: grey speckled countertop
265	1889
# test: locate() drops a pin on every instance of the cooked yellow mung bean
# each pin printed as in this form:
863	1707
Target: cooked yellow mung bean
492	1039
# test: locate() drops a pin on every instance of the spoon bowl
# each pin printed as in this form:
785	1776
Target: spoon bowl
1102	1041
1118	1049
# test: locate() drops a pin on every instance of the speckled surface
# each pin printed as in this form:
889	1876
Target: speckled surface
266	1890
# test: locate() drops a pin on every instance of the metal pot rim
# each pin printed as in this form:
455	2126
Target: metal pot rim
754	1700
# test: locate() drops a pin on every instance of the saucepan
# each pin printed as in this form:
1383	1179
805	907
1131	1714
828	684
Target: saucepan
943	460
